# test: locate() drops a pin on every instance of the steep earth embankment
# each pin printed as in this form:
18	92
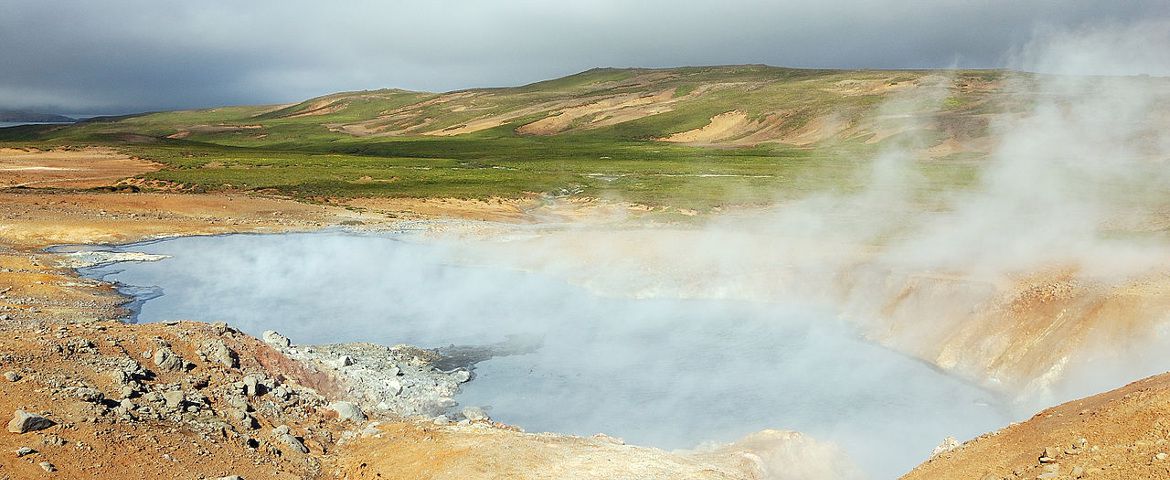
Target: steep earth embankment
1118	435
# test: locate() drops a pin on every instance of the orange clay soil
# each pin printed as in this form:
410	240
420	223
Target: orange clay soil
83	168
1123	434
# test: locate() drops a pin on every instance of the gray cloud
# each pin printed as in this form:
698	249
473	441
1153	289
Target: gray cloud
130	55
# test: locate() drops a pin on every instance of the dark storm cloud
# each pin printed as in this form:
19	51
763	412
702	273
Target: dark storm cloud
124	55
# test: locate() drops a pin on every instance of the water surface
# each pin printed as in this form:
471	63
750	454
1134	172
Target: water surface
664	372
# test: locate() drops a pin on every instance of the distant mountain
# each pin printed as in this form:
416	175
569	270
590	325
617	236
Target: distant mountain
26	116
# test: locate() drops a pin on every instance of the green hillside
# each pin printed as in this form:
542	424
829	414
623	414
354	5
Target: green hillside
696	137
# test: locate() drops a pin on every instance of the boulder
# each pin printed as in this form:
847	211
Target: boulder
11	376
174	398
475	414
276	340
342	361
220	353
167	359
252	386
90	395
291	441
947	445
348	411
24	422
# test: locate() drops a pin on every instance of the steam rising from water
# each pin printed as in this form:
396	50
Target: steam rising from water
665	372
737	324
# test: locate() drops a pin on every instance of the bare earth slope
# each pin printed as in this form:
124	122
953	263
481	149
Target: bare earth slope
1118	435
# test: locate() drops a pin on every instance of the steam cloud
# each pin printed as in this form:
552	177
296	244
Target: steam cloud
1072	189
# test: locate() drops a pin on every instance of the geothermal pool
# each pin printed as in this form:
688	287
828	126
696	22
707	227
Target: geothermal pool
664	372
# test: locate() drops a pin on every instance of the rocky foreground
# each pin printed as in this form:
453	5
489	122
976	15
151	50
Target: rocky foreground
204	401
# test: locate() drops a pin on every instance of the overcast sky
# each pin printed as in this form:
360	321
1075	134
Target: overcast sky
118	56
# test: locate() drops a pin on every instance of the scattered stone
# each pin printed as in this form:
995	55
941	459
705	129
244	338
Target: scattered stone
24	451
24	422
442	420
293	442
462	376
1049	455
220	353
239	402
342	361
244	418
252	386
475	414
276	340
1077	472
174	398
947	445
1160	456
166	359
393	387
48	467
222	328
90	395
11	376
231	477
614	440
348	411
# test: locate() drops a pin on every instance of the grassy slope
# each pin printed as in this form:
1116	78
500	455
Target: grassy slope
289	150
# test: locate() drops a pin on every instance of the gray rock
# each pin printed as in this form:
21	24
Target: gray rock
475	414
293	442
237	401
221	328
276	340
174	398
24	422
252	386
220	353
348	411
461	376
441	420
48	467
11	376
245	419
120	377
90	395
167	359
24	451
342	361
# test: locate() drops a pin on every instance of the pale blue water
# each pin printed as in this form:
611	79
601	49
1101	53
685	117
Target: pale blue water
667	373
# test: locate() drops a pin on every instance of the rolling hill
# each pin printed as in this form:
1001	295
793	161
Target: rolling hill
698	137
